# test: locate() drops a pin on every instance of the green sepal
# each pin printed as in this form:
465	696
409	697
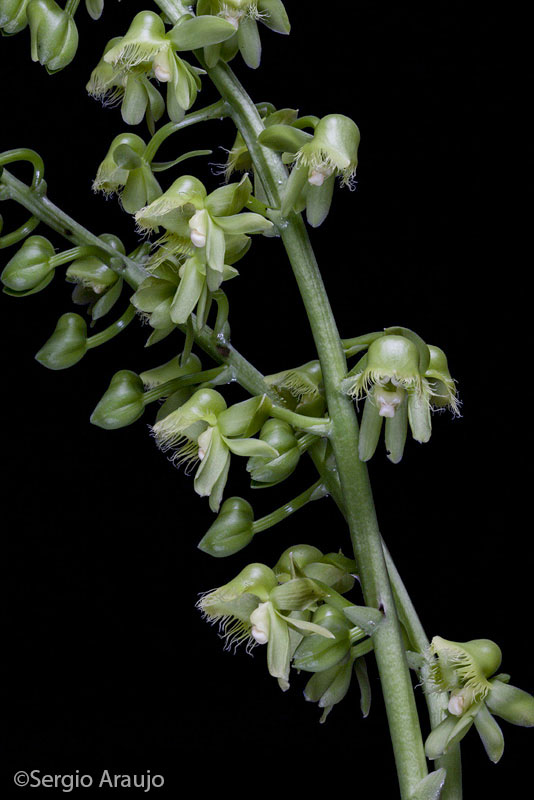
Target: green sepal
231	531
211	476
318	201
396	431
329	687
105	303
360	670
297	594
249	42
246	222
370	428
419	417
294	186
365	617
250	447
431	786
126	158
13	16
122	402
94	8
284	138
67	345
274	16
188	292
192	34
246	418
511	704
229	199
490	733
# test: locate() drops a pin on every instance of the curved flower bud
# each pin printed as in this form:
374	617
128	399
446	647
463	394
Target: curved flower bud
294	559
172	369
246	418
231	531
316	653
30	267
13	16
67	345
122	403
270	471
54	36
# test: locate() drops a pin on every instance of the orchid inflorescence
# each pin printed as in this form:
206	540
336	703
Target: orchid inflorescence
192	239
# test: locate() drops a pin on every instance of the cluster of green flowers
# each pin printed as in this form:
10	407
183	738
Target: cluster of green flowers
466	670
298	610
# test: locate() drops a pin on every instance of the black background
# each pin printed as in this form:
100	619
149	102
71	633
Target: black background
110	666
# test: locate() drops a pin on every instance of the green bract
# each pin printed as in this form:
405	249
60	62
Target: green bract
54	36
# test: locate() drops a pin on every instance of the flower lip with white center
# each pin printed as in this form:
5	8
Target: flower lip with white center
204	442
318	175
161	66
260	636
198	238
387	402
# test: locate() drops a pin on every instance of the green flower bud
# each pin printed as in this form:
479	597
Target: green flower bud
122	404
296	557
246	418
30	265
330	686
271	471
463	668
231	531
170	370
316	653
67	345
54	36
13	16
511	704
94	8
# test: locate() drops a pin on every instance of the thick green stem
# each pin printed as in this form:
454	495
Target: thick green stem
358	502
